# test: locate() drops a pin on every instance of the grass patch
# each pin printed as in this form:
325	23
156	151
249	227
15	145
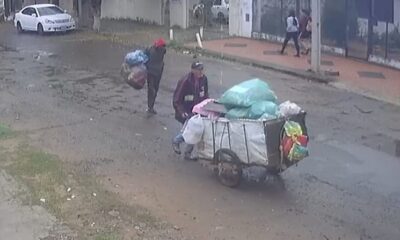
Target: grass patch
107	236
42	173
87	214
5	132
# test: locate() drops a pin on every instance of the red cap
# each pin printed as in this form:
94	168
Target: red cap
160	42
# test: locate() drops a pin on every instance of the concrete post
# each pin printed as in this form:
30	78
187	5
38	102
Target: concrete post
202	32
316	36
171	34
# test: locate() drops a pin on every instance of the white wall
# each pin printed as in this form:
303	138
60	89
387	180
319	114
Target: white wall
179	13
68	5
234	18
146	10
30	2
238	26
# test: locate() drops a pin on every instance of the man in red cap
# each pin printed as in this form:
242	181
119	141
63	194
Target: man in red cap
155	68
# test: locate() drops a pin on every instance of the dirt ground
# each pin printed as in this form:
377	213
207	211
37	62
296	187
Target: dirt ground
64	93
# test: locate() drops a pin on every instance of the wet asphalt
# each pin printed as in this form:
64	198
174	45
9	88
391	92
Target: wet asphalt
66	93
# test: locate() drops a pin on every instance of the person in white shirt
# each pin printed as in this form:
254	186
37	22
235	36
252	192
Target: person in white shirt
292	32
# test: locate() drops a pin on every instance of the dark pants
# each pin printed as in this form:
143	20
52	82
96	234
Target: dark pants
294	36
153	83
189	147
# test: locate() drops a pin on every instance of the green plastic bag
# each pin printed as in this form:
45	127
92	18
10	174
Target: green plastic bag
237	113
247	93
258	109
293	129
298	152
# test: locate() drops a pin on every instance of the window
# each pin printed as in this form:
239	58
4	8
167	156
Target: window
28	11
217	2
47	11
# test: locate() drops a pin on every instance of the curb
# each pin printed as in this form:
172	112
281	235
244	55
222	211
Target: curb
269	66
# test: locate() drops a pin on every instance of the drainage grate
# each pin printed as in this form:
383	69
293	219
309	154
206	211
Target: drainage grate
367	74
239	45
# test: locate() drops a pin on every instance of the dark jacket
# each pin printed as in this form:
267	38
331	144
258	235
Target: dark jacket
303	26
155	65
187	94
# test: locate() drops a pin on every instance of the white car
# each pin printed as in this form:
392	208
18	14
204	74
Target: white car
220	10
43	18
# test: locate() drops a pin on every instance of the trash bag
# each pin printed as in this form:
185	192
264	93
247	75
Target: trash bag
298	152
136	57
288	108
194	129
135	76
247	93
260	108
237	113
294	143
199	109
293	129
267	116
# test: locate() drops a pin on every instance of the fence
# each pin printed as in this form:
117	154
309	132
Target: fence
366	29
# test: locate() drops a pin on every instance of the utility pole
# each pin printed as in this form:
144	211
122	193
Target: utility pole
316	36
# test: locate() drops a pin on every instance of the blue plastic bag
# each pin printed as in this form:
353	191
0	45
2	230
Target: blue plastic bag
135	58
237	113
258	109
247	93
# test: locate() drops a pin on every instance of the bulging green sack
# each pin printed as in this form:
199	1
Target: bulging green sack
238	113
258	109
247	93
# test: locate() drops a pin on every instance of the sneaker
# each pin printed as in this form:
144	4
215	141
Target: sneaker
188	157
177	148
151	111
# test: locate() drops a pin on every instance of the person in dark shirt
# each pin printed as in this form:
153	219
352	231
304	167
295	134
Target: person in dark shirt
305	32
191	90
155	68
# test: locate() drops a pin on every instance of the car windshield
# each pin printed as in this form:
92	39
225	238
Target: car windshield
46	11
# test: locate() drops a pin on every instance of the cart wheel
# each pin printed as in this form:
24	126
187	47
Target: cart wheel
274	171
229	169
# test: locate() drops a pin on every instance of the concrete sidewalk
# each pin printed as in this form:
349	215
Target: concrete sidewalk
365	78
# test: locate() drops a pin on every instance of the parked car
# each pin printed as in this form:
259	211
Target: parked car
43	18
220	10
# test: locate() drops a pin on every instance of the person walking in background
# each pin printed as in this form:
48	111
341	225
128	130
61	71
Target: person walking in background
155	68
305	32
191	90
292	32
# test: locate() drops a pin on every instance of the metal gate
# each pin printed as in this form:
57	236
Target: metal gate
357	28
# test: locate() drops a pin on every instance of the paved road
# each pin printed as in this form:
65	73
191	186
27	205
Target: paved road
69	98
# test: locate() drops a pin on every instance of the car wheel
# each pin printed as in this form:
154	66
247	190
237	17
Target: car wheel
19	28
40	29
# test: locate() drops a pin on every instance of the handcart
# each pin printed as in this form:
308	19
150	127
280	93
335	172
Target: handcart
232	145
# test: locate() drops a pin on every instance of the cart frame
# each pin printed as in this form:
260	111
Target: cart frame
229	166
